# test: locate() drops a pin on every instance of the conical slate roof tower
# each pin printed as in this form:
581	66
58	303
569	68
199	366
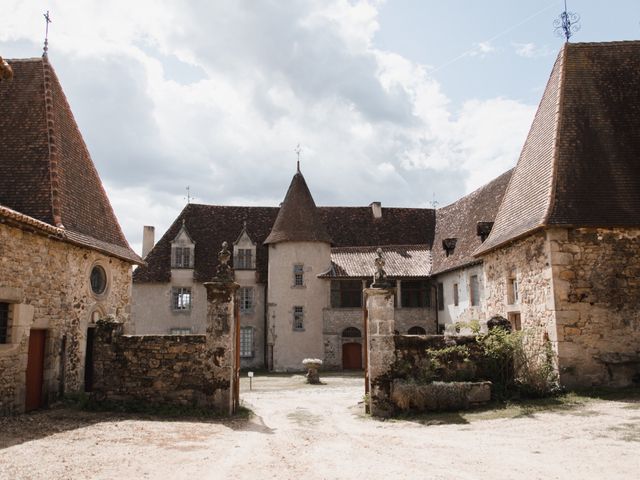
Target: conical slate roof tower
298	219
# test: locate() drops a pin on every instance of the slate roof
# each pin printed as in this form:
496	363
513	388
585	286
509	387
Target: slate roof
401	261
210	225
298	219
580	165
46	172
460	220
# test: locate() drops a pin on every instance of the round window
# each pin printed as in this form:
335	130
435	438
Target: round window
98	280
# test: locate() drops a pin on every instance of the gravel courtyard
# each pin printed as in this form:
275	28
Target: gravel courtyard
320	432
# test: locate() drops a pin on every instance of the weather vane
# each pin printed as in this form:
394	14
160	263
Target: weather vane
47	20
189	198
434	202
567	23
298	151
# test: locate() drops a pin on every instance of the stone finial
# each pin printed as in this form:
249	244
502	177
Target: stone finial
224	271
380	276
6	72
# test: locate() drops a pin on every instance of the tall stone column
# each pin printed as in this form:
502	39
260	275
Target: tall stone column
221	334
380	342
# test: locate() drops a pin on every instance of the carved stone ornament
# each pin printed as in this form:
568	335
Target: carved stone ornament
224	270
380	276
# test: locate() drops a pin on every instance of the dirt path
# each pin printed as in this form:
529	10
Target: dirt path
319	432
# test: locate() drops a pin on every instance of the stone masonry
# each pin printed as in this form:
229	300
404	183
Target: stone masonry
46	283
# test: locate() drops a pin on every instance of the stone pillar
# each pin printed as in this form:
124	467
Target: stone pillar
380	341
221	334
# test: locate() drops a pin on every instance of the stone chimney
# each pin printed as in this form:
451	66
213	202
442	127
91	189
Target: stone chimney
148	239
376	209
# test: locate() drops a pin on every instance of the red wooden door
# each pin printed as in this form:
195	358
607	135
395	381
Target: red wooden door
35	370
352	356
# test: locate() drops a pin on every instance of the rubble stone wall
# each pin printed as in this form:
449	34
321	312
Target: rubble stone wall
46	283
596	275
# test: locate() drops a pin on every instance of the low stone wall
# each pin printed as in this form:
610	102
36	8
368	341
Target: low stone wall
165	369
411	396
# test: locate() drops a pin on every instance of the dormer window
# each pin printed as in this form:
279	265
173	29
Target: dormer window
449	245
244	251
182	249
483	229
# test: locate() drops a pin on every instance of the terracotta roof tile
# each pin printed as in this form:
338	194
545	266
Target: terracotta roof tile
46	171
210	225
298	218
401	261
580	164
460	221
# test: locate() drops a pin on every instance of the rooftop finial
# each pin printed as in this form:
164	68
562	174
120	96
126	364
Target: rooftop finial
47	20
298	151
189	198
567	23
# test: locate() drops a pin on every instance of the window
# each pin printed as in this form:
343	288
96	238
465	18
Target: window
5	332
513	296
440	296
415	294
244	259
298	318
246	342
514	320
474	290
417	331
98	280
246	299
351	332
180	331
298	275
456	298
346	293
182	257
181	299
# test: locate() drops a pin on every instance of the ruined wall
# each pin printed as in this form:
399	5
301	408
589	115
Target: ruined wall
596	276
46	282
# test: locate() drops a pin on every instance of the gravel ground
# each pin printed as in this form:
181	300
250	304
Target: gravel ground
320	432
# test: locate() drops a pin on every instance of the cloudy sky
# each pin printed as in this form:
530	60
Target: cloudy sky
398	101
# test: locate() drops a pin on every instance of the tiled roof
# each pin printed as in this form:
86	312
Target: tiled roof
210	225
580	164
401	261
298	219
460	221
46	171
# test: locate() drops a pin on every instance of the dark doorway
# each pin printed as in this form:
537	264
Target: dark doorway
35	370
352	356
88	360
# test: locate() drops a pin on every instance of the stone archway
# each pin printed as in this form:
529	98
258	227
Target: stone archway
351	349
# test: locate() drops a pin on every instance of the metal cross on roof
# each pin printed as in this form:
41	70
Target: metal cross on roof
567	23
298	151
47	19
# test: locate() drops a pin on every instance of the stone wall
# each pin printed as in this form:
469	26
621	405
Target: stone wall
46	283
335	320
193	370
596	275
405	318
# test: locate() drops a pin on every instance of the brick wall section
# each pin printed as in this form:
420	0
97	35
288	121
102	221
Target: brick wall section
596	275
46	281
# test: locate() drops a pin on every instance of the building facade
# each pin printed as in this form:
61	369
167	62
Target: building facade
65	262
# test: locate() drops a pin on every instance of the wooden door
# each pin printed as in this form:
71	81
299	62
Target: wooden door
88	360
352	356
35	370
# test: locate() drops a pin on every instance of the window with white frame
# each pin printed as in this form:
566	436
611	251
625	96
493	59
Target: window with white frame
513	295
244	259
181	299
182	257
474	290
5	323
298	318
298	275
246	342
246	299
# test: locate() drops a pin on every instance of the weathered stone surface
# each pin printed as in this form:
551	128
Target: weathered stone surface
439	395
47	284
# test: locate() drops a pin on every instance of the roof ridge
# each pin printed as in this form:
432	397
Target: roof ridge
556	135
54	179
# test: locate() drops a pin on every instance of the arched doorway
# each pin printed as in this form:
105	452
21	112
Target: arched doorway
417	331
351	349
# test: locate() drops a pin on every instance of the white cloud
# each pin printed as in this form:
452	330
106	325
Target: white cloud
531	50
216	95
481	49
